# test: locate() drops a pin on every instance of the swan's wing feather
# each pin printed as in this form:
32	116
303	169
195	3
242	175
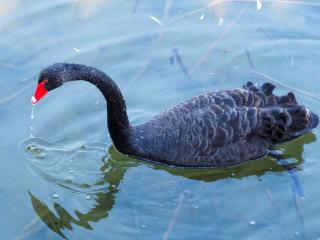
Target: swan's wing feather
222	125
215	119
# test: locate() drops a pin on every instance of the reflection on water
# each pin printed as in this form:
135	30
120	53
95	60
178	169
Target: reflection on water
6	8
104	201
88	8
116	165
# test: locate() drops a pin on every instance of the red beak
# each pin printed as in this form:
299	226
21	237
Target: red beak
39	93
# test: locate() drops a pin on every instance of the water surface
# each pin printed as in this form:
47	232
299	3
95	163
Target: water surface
62	178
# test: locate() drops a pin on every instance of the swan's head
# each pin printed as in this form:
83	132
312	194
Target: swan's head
50	78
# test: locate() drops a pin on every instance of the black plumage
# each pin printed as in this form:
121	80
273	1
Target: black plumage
214	129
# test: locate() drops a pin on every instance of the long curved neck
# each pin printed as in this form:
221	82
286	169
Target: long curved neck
118	122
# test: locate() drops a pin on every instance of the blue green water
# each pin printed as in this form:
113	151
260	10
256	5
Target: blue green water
60	175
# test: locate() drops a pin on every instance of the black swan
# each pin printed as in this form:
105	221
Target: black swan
214	129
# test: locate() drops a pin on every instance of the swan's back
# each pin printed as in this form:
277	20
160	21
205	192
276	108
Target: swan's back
222	128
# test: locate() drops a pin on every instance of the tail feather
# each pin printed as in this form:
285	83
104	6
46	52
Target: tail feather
287	99
281	118
266	90
285	123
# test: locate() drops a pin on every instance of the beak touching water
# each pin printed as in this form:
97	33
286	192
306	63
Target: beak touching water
39	93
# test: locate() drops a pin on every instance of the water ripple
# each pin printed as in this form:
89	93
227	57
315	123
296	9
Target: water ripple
74	166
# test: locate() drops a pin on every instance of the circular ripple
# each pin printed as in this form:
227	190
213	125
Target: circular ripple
75	166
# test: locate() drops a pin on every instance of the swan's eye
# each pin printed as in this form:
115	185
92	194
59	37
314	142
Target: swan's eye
40	92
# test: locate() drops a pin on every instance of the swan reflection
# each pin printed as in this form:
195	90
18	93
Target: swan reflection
116	165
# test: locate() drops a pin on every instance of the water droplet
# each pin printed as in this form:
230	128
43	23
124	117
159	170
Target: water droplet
220	22
32	117
252	222
88	197
202	17
143	226
296	233
71	171
55	195
32	113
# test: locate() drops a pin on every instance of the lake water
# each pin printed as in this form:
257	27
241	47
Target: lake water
62	178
